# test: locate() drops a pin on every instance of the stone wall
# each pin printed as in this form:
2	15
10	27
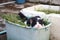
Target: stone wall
47	1
55	2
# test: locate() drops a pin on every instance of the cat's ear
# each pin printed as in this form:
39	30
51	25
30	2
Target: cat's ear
20	13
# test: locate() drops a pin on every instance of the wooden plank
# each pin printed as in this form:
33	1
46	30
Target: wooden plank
7	3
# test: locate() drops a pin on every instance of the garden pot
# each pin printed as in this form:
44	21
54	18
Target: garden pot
16	32
55	27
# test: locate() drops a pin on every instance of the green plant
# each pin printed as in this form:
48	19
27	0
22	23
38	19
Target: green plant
13	18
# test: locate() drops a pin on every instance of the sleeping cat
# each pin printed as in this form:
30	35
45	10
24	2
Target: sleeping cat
35	21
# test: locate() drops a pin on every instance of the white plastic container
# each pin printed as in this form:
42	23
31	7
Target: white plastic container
15	32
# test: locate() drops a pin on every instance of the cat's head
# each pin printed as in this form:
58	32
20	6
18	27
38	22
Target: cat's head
35	21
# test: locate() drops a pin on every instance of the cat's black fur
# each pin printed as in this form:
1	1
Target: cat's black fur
34	21
23	17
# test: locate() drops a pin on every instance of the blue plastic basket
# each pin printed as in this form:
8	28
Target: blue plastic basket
20	1
2	32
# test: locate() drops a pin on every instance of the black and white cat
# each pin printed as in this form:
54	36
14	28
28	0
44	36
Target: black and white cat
35	21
